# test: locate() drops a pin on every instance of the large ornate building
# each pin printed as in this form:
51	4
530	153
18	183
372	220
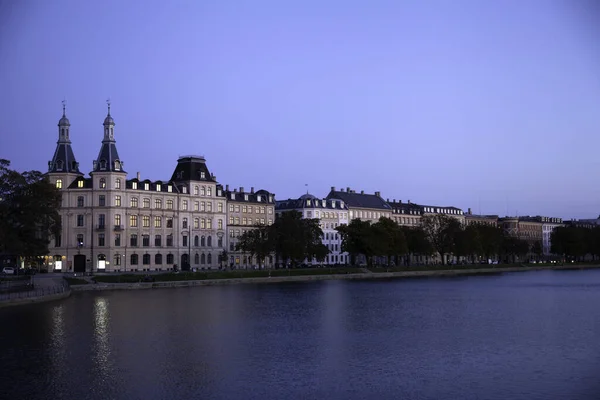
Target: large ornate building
112	223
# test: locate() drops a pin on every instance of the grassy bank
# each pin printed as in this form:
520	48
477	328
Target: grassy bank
204	275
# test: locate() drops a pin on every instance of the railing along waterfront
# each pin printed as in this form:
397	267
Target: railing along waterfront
32	292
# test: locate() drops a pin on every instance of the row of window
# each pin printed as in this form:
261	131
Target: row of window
249	221
360	214
323	202
199	241
248	209
146	258
443	210
327	214
158	203
199	223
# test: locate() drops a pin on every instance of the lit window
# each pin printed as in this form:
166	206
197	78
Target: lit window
202	175
146	203
209	192
133	221
169	189
158	187
209	207
209	224
196	190
80	184
220	207
157	222
133	202
220	224
169	204
158	204
184	205
203	191
196	223
117	201
134	185
102	183
117	184
146	221
59	183
146	186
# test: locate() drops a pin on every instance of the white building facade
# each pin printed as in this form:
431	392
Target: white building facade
112	223
549	224
331	213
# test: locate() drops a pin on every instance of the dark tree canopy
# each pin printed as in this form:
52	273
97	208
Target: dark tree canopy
29	212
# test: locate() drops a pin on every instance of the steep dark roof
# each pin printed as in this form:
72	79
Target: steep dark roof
250	197
360	200
406	208
108	157
64	158
192	168
310	201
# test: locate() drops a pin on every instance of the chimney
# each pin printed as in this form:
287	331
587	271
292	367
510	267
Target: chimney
333	188
378	194
227	188
252	189
362	192
342	190
234	190
139	177
400	201
388	199
409	202
348	189
241	189
469	211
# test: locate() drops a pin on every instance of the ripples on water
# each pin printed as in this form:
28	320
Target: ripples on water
513	336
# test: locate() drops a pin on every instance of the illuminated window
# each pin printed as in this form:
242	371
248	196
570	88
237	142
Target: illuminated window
59	183
80	184
102	183
146	221
133	202
133	221
117	184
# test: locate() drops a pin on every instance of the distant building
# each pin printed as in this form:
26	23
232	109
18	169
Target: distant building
472	219
363	206
406	214
246	210
549	224
331	213
445	210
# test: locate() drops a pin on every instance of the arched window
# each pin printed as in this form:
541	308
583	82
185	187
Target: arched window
196	259
102	164
196	190
134	259
203	259
117	165
203	241
102	183
209	259
158	259
203	191
117	183
146	259
59	165
209	241
196	241
170	258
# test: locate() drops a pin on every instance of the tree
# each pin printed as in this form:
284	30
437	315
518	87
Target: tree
537	249
491	238
29	212
389	239
417	241
296	239
468	242
441	230
569	241
223	257
258	242
357	239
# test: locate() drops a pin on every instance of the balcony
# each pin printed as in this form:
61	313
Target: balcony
118	228
100	227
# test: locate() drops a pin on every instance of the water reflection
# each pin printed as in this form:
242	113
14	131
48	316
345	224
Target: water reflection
527	336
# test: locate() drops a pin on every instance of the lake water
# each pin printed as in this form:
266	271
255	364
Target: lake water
533	335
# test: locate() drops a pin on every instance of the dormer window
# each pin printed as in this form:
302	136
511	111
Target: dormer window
184	189
202	175
59	165
169	188
102	165
324	202
219	192
80	184
75	165
102	183
332	203
232	196
246	197
158	187
308	202
134	185
117	165
258	198
146	186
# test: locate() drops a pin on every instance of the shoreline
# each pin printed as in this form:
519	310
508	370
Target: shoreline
312	278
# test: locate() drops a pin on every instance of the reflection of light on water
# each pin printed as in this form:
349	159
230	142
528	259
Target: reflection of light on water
101	337
57	339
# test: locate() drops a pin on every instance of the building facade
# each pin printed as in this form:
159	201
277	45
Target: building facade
406	214
245	210
331	213
363	206
475	219
112	223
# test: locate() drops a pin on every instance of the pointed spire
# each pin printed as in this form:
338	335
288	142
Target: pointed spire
108	120
64	121
108	103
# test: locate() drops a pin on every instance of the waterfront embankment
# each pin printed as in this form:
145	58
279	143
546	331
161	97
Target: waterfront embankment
46	288
312	278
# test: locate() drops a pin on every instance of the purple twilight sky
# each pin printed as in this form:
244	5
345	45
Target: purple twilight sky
493	105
